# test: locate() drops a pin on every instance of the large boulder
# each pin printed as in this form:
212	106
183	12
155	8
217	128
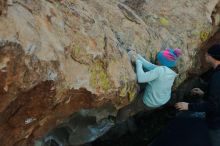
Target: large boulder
57	57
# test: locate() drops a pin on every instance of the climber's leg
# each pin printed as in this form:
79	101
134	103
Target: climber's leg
136	106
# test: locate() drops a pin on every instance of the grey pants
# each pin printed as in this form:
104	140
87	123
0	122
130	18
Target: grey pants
136	106
215	137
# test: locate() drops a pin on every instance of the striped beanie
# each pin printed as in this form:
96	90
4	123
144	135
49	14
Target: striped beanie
169	57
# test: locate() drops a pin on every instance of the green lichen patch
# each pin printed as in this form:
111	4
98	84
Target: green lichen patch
132	92
124	90
164	21
128	90
79	54
205	32
204	35
77	50
98	77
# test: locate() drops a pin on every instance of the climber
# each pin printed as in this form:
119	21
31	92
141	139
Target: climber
159	77
211	104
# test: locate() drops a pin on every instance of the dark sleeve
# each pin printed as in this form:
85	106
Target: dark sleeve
212	103
203	85
198	107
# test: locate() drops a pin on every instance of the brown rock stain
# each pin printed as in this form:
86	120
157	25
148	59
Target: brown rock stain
3	7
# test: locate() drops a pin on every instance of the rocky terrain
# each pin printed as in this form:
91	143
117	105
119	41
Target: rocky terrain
57	57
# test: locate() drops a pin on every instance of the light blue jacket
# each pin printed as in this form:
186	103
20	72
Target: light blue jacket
160	80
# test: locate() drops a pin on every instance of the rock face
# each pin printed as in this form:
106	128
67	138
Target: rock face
57	57
3	7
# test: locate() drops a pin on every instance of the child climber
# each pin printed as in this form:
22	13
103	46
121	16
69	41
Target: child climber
160	79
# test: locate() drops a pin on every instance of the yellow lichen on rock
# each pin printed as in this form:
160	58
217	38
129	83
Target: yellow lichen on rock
204	36
99	78
164	21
